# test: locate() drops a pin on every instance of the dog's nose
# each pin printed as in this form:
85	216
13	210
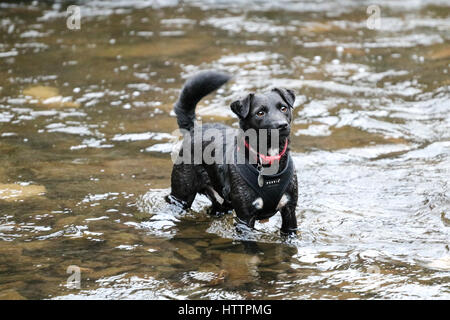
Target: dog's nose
282	126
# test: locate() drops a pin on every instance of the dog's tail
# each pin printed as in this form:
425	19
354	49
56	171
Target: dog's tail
195	88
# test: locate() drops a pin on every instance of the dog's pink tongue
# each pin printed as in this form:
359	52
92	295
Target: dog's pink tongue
269	159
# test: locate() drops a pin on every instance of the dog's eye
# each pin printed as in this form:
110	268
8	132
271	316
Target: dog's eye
260	113
283	108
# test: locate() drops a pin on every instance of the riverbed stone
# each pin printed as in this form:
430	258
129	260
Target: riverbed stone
108	272
168	47
240	268
66	221
441	53
219	278
188	251
36	244
14	285
49	97
156	261
14	192
221	241
209	267
201	243
319	27
11	294
9	251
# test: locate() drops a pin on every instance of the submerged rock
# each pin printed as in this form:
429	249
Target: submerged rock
49	97
318	27
208	267
187	251
11	295
168	47
201	243
160	261
14	192
219	278
108	272
239	268
15	285
442	53
41	92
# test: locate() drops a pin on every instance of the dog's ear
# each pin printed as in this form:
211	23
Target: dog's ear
242	107
287	95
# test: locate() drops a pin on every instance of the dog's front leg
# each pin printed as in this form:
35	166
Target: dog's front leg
289	220
245	220
287	206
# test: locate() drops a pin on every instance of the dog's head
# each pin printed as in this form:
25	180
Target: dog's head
270	110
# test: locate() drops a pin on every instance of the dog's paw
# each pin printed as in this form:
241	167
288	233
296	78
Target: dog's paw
242	228
289	235
218	211
214	212
179	203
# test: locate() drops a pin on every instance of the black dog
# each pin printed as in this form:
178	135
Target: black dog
233	185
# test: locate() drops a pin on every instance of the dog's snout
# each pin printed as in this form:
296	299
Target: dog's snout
283	126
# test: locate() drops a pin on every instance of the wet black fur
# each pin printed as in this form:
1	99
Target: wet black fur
188	179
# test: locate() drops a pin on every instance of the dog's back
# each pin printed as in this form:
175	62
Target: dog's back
190	178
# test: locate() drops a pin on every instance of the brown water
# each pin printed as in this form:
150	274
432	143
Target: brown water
85	136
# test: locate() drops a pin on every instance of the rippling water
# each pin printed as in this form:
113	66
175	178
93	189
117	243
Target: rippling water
86	131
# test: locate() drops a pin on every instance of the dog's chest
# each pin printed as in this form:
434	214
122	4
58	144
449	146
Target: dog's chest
269	196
